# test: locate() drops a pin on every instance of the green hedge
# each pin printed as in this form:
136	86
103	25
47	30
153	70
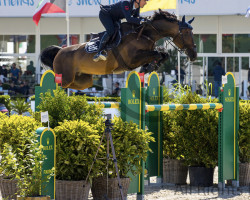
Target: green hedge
17	131
191	135
62	107
244	132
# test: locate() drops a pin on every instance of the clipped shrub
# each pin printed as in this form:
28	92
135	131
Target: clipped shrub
244	132
23	164
192	135
61	107
16	130
16	133
77	143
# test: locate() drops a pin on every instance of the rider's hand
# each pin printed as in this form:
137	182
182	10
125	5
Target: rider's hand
144	21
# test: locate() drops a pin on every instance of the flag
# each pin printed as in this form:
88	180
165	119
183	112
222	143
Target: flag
156	4
248	12
58	78
49	6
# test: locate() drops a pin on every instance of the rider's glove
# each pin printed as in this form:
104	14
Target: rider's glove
144	20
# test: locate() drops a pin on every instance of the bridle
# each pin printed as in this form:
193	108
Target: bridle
181	50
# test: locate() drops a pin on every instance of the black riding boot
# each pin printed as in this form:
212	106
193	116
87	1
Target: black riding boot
100	55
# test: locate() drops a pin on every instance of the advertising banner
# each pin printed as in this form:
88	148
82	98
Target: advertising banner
90	8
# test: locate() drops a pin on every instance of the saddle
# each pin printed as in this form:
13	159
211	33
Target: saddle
93	45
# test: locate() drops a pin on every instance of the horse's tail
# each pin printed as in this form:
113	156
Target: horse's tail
48	55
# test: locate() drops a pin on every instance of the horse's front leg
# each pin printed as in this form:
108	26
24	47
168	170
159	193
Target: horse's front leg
155	64
144	57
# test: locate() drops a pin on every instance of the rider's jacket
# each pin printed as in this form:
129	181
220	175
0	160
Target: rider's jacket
123	9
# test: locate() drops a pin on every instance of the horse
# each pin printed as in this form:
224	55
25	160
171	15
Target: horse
135	49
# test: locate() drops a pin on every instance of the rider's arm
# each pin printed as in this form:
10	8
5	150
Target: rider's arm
137	13
127	13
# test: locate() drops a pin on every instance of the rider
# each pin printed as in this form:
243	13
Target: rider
110	14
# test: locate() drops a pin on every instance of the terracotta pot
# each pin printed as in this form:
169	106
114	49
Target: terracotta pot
174	171
72	190
99	188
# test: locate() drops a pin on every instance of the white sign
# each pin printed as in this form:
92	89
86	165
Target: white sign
90	8
44	116
224	80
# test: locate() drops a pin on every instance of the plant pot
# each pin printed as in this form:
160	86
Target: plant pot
244	174
174	171
69	190
99	188
8	188
34	198
201	176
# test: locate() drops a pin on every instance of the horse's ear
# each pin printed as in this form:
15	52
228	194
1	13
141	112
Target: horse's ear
183	19
190	21
160	10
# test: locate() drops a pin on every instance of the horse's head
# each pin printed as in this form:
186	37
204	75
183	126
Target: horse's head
167	25
184	38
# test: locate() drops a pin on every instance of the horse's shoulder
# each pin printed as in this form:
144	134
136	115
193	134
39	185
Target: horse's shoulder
125	27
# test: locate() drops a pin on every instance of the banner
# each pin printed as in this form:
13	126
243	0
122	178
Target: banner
91	8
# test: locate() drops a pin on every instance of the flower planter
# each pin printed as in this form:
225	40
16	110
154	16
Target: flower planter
244	174
99	188
8	188
34	198
201	176
174	171
69	190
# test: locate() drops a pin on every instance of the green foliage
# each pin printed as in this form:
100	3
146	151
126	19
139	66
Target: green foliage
20	106
3	115
16	130
61	107
77	143
21	156
191	135
244	132
24	165
131	145
5	99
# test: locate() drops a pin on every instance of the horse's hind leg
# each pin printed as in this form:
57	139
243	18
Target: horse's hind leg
82	81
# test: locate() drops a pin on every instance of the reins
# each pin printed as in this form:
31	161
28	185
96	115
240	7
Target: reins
158	33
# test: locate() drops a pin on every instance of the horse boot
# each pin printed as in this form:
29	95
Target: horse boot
101	55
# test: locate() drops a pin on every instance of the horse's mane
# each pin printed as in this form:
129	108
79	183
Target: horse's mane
164	15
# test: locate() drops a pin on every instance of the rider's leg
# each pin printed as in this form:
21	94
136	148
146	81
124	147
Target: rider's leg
108	23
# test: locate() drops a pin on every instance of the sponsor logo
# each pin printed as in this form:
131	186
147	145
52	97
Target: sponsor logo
126	8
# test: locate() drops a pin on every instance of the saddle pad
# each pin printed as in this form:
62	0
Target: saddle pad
93	45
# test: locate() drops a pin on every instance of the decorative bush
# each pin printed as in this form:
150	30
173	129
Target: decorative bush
244	132
192	135
77	143
16	130
131	145
61	107
24	165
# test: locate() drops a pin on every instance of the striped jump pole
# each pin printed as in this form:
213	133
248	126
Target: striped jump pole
167	107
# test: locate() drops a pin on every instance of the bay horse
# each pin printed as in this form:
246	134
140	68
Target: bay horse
135	49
